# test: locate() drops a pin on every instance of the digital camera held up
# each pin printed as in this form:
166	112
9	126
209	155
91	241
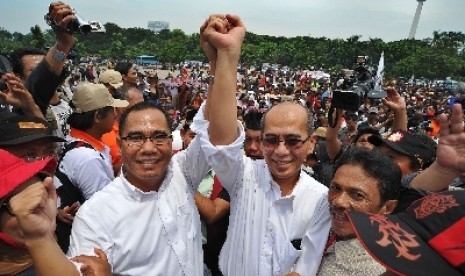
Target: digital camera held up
77	26
355	86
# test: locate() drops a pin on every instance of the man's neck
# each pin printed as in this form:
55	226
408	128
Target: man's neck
287	185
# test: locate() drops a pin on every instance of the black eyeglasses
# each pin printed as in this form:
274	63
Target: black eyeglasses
137	140
292	143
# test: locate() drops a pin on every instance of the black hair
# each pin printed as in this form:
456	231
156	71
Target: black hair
376	165
85	120
122	93
253	120
365	130
16	56
190	114
123	67
140	107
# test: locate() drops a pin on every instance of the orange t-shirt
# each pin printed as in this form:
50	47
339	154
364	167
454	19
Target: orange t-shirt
109	139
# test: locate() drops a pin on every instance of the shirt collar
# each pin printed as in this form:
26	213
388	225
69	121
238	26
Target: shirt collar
140	195
81	135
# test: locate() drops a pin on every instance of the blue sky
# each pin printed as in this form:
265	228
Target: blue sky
386	19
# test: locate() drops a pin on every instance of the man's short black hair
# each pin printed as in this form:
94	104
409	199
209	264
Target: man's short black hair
378	166
365	130
253	120
123	67
16	56
140	107
85	120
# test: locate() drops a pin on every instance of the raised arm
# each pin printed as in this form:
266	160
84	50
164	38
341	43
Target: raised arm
35	210
333	144
225	34
63	15
450	155
397	104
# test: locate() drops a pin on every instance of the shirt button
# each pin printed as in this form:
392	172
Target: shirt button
269	227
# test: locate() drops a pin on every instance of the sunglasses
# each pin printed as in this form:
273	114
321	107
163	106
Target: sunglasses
291	143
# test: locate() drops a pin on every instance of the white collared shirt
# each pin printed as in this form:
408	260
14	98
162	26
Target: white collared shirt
262	223
153	233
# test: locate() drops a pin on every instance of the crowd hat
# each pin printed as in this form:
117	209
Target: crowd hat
373	109
406	143
427	238
111	77
15	171
19	129
90	96
320	132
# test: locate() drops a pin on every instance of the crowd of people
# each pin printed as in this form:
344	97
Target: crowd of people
215	172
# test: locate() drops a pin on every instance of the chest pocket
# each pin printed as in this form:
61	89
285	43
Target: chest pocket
186	221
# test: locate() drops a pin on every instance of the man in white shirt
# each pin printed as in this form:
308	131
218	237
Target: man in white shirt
279	220
146	220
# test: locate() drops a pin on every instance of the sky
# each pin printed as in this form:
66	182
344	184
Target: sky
389	20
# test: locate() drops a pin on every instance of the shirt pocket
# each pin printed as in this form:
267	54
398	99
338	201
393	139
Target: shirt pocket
290	253
185	217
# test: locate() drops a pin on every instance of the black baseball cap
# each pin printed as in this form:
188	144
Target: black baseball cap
19	129
406	143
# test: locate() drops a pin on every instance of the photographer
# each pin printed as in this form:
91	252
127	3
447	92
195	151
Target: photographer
42	72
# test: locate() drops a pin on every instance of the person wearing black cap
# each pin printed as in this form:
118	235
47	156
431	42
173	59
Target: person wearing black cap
27	137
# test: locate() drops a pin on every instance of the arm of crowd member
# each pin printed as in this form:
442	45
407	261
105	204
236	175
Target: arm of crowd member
211	210
397	104
333	144
225	34
67	213
62	14
450	155
49	73
35	210
94	265
19	97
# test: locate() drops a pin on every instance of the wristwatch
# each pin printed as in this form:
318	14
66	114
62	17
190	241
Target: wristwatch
58	56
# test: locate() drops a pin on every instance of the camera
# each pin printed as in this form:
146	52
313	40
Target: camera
5	67
355	86
77	26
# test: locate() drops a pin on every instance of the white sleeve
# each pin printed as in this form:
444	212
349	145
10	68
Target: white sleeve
87	234
314	241
226	161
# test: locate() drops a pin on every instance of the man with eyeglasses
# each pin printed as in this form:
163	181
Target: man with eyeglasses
279	220
146	220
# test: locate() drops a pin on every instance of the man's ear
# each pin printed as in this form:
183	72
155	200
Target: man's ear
389	206
311	144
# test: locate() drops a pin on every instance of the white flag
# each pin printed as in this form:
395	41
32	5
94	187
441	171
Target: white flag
380	73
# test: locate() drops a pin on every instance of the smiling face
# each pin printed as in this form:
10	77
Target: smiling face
286	121
353	189
146	166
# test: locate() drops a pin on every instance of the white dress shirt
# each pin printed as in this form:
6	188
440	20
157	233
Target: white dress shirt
262	223
146	233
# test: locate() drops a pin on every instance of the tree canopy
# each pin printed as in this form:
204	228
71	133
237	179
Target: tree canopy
442	55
